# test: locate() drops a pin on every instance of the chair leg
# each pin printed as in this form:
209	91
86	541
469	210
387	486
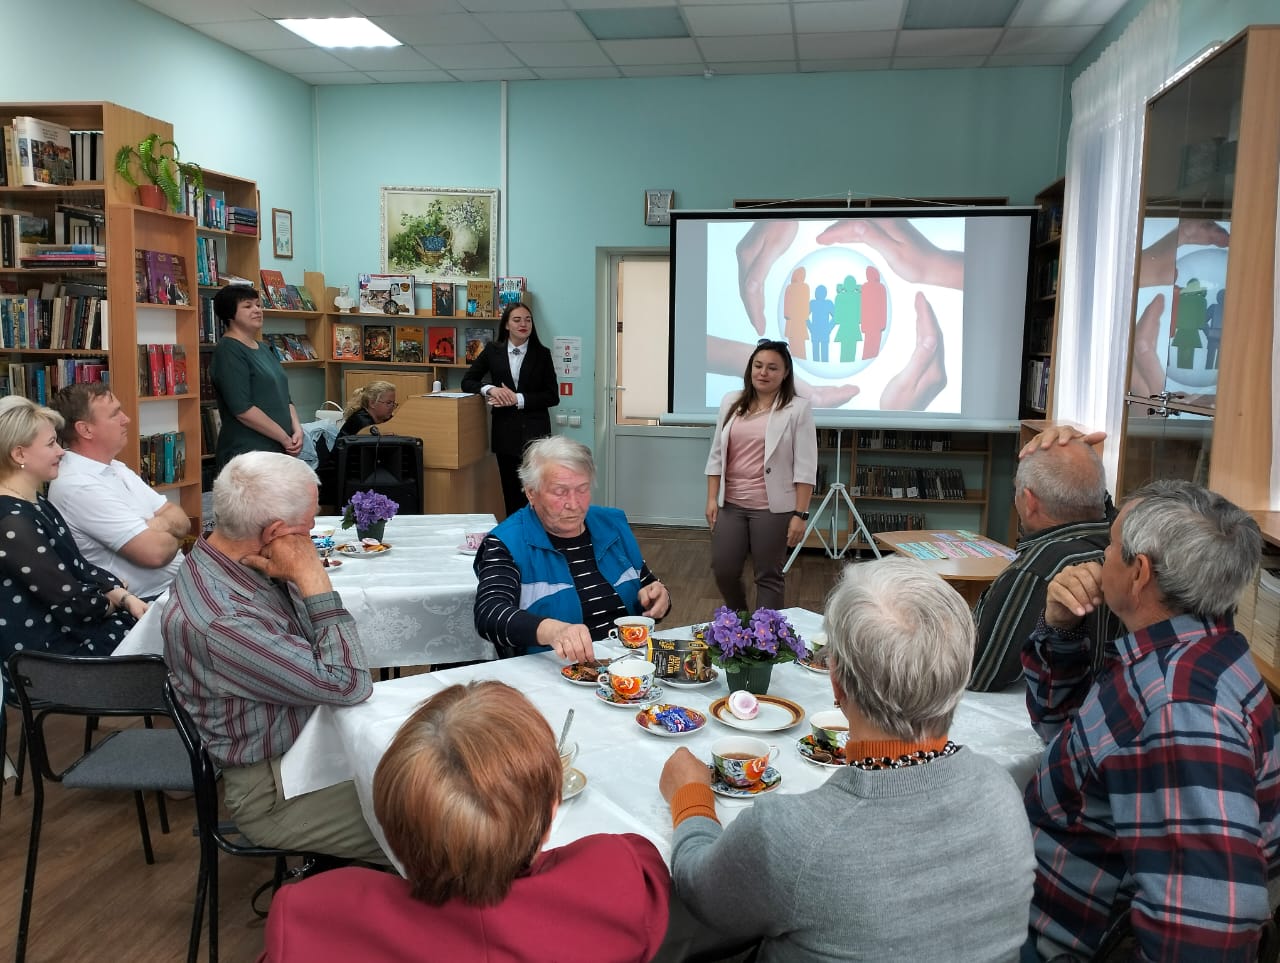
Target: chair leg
90	724
142	827
29	882
22	760
213	905
164	813
197	913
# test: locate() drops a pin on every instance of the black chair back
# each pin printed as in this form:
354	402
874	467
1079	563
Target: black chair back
388	464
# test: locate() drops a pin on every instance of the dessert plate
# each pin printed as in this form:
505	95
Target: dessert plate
769	782
583	673
648	720
613	699
819	756
358	550
776	714
813	666
681	684
463	550
575	780
331	562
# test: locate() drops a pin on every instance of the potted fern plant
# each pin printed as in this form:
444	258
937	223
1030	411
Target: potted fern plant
158	163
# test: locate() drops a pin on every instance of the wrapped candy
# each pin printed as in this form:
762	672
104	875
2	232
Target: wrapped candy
743	704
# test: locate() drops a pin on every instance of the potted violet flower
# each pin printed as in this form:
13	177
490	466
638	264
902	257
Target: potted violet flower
369	512
748	647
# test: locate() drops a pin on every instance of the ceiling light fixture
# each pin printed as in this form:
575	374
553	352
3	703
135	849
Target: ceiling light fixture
341	32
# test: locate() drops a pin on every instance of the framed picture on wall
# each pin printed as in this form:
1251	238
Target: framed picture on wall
282	232
447	234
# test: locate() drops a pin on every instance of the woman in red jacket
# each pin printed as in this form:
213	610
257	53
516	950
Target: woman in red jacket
465	795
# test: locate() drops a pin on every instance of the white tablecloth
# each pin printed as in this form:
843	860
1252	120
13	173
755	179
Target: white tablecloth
413	604
621	761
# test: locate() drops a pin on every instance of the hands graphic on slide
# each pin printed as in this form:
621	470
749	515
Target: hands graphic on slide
911	255
925	374
757	252
1147	376
1159	264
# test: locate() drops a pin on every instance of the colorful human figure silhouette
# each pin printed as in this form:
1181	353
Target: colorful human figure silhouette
848	316
1193	313
821	310
875	313
795	312
1213	329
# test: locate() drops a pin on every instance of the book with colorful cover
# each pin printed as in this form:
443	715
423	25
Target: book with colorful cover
377	342
141	291
293	297
409	343
441	345
477	338
181	291
294	347
348	342
442	299
304	295
386	294
273	295
278	346
44	153
159	276
479	299
308	349
511	290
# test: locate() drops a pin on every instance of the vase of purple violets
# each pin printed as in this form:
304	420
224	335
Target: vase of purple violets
747	647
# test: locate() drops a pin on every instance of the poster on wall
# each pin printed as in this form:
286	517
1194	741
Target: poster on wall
440	233
567	353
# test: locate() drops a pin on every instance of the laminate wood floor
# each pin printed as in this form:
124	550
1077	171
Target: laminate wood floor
95	898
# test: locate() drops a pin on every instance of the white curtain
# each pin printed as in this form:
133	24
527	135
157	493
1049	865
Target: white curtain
1100	221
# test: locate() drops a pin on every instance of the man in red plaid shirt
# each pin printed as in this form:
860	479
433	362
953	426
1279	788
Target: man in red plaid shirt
1159	792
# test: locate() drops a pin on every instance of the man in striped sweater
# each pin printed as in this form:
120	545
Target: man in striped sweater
256	638
1060	494
1159	792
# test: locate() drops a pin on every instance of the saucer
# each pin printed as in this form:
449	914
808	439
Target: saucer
812	666
575	780
613	699
818	756
463	550
583	673
769	782
647	720
776	714
331	562
360	550
681	684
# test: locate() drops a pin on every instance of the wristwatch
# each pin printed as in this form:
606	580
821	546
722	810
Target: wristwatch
803	516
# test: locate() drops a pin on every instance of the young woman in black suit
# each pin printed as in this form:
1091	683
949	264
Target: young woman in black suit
519	404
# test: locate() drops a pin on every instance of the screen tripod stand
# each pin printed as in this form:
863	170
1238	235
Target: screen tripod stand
830	509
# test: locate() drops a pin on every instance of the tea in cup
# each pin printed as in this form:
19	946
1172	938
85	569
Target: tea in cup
742	761
627	678
567	755
632	631
474	539
830	730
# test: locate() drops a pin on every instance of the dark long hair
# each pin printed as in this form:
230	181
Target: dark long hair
786	391
504	335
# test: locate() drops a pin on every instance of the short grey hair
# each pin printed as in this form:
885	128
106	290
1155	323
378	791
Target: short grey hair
1069	480
900	643
20	420
260	487
1203	549
555	450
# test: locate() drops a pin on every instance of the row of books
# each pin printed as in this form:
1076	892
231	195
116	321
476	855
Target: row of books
40	153
1046	278
210	427
39	381
207	261
286	297
163	458
25	236
71	321
160	278
1035	388
397	294
292	347
162	369
892	481
893	521
878	439
1039	336
211	210
1049	223
65	257
407	343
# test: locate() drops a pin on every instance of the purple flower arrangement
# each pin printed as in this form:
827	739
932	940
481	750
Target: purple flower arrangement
367	509
738	640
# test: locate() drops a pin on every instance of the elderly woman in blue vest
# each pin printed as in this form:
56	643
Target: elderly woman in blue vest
558	572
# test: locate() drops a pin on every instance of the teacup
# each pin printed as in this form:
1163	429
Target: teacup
742	761
632	631
474	539
628	678
830	729
567	755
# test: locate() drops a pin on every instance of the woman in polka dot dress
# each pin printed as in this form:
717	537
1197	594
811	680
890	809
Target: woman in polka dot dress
51	598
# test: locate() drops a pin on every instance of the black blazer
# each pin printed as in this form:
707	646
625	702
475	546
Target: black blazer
513	428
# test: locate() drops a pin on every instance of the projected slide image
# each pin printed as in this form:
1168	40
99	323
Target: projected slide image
872	309
1181	297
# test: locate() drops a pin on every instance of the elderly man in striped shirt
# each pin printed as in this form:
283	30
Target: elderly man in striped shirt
256	639
1159	793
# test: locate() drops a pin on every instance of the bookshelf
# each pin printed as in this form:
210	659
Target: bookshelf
123	227
1041	332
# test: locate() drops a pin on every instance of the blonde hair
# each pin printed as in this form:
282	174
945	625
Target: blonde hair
20	420
364	397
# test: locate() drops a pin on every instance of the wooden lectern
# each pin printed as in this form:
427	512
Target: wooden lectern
459	473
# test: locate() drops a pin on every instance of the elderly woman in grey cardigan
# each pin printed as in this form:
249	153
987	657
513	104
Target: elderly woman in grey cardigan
917	849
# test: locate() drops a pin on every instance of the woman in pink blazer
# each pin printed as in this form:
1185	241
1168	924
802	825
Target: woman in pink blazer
760	476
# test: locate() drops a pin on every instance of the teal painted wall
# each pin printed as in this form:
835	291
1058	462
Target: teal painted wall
582	153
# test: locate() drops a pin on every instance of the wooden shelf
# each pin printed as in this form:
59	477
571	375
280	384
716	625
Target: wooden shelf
55	270
360	317
189	396
59	352
971	499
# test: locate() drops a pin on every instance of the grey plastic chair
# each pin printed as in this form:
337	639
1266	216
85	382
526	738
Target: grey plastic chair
135	760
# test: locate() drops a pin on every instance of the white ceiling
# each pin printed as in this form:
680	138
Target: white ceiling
461	40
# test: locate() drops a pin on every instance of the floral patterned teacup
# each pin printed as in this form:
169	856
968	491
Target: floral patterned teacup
741	761
632	631
628	678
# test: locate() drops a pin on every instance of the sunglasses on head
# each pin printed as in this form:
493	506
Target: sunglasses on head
771	344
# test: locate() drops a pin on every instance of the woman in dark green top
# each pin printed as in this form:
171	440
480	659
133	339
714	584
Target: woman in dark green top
252	390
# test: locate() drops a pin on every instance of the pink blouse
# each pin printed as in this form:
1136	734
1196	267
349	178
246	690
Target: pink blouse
744	466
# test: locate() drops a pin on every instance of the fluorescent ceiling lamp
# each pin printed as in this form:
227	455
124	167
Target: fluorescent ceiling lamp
341	32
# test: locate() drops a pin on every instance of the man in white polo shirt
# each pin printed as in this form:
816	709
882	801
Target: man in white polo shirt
120	523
